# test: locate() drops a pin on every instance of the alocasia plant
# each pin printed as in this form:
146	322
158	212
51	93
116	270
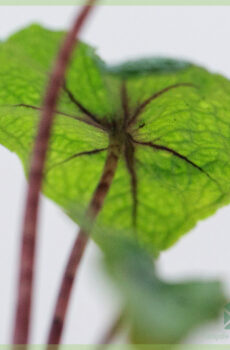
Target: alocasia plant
169	121
159	125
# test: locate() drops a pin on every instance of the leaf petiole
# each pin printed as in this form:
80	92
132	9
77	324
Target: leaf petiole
80	244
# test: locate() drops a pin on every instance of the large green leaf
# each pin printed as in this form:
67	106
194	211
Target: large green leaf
180	170
158	312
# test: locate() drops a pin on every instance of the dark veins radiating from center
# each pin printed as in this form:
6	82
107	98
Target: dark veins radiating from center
130	143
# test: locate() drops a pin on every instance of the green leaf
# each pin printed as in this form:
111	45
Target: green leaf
158	312
174	168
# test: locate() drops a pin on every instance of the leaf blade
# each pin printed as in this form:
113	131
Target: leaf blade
184	179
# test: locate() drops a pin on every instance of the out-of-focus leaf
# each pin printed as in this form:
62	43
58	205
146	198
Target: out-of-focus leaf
159	312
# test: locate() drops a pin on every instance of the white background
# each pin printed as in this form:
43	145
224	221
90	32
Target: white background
200	34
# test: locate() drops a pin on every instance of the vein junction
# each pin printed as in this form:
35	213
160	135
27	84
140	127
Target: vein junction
120	135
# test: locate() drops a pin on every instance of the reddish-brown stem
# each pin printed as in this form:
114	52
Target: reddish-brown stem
26	273
112	332
80	244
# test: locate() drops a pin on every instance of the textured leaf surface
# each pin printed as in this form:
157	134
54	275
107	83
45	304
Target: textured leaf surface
171	118
159	312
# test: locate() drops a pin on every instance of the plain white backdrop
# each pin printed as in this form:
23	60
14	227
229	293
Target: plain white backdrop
199	34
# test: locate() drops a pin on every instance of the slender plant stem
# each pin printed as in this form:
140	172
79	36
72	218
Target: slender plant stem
26	273
112	331
80	244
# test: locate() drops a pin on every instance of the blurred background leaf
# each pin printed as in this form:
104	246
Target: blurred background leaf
157	311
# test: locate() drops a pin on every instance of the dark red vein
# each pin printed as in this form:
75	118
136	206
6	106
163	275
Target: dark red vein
130	163
96	125
80	106
175	153
125	104
80	154
144	104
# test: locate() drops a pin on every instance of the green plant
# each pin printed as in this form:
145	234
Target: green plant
159	127
158	312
